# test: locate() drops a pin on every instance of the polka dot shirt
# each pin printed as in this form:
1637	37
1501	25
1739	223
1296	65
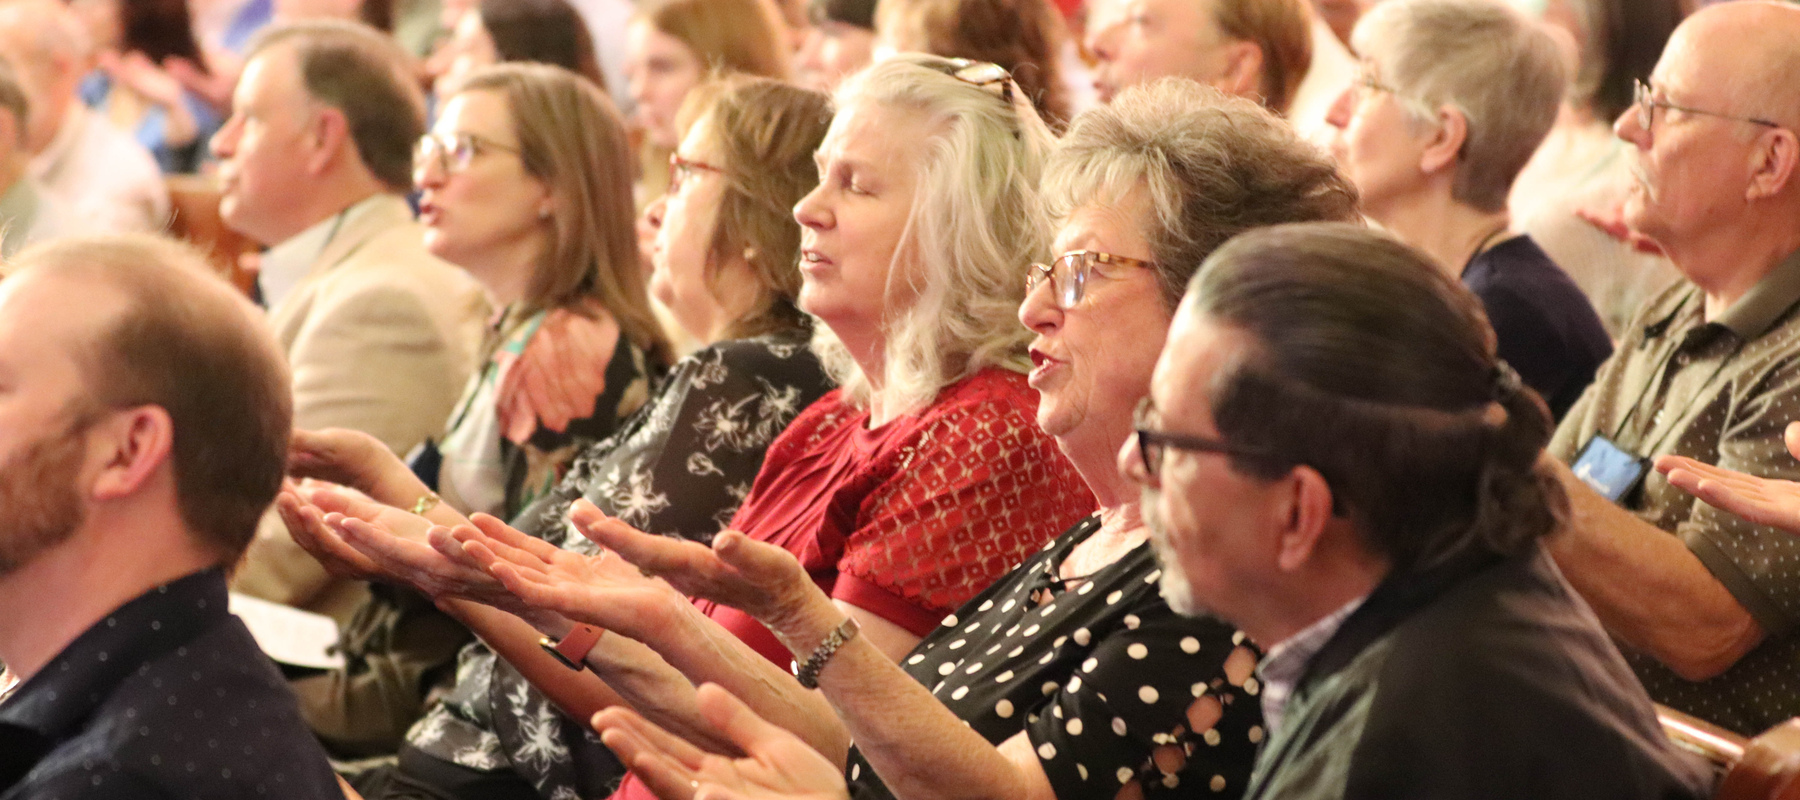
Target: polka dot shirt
1116	692
166	697
1721	392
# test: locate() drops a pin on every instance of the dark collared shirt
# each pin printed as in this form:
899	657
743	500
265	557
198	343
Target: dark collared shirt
1721	392
166	697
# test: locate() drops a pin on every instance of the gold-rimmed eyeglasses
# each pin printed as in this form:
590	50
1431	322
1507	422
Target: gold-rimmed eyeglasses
681	169
1068	274
452	153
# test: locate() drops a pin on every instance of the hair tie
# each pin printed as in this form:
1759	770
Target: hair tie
1506	382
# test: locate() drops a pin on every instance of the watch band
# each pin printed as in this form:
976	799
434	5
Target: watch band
808	673
573	649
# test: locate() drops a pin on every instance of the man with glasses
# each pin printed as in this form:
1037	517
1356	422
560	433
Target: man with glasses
1334	460
1705	603
315	160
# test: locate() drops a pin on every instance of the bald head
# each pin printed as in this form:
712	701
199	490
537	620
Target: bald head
49	48
1751	50
150	325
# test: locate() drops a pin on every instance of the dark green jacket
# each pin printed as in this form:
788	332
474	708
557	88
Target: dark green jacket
1485	678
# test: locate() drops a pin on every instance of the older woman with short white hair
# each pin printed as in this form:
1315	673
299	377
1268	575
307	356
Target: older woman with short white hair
1452	99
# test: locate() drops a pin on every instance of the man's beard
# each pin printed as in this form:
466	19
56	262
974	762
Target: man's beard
1174	586
40	506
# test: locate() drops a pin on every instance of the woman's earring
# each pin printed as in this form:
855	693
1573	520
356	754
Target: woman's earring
543	213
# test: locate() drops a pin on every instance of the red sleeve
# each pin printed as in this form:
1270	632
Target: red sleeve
982	488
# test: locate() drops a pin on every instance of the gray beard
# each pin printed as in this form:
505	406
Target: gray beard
1174	586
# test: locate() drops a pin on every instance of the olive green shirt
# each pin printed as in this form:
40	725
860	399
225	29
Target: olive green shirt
1721	392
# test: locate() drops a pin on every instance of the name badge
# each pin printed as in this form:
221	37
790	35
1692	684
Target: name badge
1610	469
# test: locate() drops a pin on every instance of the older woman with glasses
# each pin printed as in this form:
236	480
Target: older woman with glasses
1070	677
1434	142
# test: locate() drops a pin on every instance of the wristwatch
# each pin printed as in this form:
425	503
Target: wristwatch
807	672
573	649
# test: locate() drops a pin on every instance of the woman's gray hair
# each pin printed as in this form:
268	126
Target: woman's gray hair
975	223
1211	165
1501	69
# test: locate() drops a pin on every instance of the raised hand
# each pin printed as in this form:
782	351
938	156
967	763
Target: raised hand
600	590
776	765
1764	501
760	579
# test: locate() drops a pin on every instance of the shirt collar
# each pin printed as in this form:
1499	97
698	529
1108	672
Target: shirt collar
1286	661
285	265
1758	310
53	703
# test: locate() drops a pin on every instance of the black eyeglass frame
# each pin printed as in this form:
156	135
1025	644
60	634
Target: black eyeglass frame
1152	443
1080	262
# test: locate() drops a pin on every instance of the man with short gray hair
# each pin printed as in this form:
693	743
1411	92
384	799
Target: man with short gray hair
1706	603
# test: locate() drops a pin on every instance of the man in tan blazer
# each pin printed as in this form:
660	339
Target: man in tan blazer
380	334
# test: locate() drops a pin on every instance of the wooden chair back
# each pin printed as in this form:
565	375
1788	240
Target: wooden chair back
1764	768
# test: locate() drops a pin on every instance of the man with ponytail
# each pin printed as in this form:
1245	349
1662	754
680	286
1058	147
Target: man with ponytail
1335	461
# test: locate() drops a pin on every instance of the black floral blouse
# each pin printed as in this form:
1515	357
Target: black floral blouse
679	467
1099	673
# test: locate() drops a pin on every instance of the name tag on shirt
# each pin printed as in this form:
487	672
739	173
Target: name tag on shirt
1610	469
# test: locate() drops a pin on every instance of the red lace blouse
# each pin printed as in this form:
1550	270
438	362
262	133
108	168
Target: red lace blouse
910	520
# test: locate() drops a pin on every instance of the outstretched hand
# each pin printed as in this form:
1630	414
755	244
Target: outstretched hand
1764	501
600	590
776	765
306	510
362	538
760	579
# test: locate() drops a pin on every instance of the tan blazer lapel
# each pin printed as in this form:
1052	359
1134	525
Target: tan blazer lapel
383	213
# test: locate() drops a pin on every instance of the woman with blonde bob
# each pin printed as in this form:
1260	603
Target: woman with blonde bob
905	492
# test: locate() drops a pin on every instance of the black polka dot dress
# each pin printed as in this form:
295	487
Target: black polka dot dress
1105	679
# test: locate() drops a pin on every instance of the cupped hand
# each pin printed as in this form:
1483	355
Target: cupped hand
306	524
776	765
354	459
398	547
600	590
760	579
